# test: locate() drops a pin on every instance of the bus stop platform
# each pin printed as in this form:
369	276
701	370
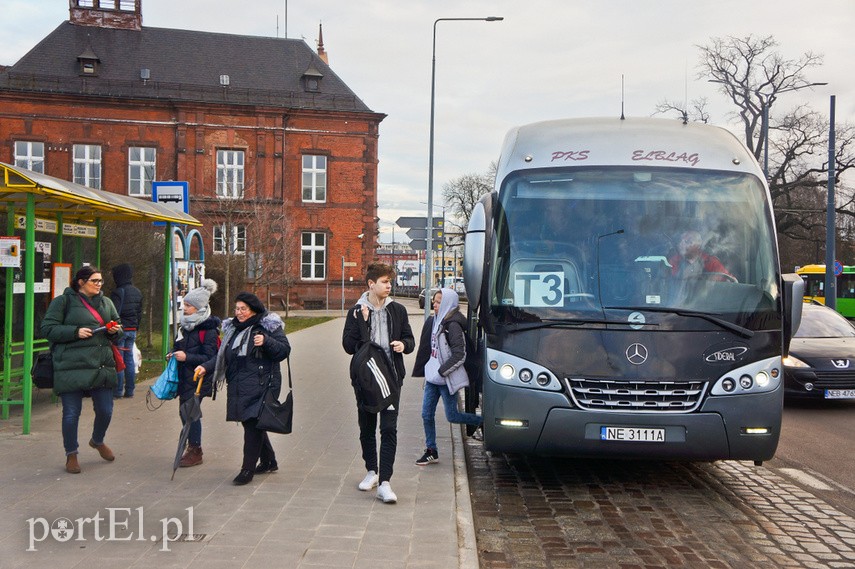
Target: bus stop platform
309	514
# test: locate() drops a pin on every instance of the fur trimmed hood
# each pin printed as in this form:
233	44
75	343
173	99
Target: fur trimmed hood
270	322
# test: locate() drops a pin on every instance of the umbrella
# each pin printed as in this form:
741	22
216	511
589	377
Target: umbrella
190	411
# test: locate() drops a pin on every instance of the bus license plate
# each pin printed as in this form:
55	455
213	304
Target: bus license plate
840	393
632	434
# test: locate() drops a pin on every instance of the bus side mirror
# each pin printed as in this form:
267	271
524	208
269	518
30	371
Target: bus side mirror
794	292
473	255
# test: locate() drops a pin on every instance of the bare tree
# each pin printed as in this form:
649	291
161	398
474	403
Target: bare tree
461	195
272	255
753	75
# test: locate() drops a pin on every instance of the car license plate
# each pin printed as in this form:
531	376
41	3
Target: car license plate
840	393
632	434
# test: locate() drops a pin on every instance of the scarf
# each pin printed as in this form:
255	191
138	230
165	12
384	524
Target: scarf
236	336
188	322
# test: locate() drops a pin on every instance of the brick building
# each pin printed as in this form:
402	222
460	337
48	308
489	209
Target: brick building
280	155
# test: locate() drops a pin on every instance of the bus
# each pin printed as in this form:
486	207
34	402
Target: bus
814	277
593	336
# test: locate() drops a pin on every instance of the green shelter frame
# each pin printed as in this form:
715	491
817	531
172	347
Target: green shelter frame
28	195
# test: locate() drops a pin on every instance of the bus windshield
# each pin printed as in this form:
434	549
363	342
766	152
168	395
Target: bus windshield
575	243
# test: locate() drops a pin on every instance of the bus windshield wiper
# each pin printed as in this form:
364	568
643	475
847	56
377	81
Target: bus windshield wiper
555	323
745	332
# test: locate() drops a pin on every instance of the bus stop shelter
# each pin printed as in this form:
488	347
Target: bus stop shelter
69	210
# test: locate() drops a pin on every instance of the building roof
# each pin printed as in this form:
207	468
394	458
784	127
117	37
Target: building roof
183	65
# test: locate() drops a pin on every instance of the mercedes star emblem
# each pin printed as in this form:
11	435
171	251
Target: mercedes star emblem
636	354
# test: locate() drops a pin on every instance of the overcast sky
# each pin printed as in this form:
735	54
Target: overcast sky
548	59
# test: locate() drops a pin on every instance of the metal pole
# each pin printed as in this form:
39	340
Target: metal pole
429	240
342	285
830	253
442	268
765	139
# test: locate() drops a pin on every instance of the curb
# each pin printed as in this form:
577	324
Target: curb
467	552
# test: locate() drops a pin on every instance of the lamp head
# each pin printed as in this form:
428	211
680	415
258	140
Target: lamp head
360	236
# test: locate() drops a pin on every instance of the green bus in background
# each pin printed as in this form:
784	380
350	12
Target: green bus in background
814	277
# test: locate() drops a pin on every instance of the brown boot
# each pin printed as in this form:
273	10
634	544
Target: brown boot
71	464
192	456
103	450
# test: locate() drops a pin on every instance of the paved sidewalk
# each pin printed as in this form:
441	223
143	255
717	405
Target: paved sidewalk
309	514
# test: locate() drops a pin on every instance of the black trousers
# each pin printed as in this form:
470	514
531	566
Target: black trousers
256	445
388	441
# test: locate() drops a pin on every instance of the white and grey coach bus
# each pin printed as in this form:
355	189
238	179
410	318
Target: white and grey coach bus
626	296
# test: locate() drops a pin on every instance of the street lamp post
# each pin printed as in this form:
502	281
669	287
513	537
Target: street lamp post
429	241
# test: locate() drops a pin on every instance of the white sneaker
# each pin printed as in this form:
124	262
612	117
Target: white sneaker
385	494
370	481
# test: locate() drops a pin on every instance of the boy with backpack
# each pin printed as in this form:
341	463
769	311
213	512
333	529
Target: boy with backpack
379	321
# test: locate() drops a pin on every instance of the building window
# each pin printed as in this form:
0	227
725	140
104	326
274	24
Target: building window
230	173
313	256
87	165
141	169
30	155
314	178
235	239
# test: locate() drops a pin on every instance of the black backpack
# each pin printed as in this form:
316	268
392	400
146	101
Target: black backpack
374	379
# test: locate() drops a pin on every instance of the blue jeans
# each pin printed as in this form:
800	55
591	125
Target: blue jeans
127	378
449	401
72	405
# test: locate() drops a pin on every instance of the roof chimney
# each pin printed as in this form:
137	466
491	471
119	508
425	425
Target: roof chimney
321	51
119	14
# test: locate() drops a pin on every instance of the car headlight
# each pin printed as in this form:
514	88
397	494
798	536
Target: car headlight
793	361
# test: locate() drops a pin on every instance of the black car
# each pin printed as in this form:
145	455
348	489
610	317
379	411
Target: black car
821	363
422	296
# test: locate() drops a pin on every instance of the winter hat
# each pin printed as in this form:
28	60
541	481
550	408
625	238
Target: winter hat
252	301
198	297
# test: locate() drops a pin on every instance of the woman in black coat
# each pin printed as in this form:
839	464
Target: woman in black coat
254	345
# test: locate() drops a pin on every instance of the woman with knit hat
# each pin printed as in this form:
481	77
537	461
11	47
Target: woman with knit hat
196	343
254	345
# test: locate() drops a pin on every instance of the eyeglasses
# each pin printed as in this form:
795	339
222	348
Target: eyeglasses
96	281
241	308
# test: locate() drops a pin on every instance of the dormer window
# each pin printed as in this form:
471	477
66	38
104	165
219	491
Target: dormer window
312	79
88	62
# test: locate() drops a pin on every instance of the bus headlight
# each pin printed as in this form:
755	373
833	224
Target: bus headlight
758	377
507	371
526	375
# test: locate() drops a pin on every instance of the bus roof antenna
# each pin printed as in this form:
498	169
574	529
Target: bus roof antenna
622	117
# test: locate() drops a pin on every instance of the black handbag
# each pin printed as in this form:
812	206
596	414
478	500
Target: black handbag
276	417
42	370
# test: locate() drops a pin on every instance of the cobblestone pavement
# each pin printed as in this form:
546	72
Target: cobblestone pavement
554	513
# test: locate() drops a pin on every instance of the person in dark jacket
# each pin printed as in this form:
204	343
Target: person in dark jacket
128	301
83	360
198	335
254	344
377	318
440	360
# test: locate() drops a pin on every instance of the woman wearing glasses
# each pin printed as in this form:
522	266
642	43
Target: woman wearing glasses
81	325
254	344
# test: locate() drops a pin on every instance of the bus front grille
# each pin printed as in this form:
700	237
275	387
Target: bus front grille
639	395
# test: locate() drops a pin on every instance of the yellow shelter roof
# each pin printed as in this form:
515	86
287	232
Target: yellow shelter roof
77	202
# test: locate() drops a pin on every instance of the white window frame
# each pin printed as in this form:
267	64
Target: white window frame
314	179
141	172
87	157
317	269
25	158
230	172
237	239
